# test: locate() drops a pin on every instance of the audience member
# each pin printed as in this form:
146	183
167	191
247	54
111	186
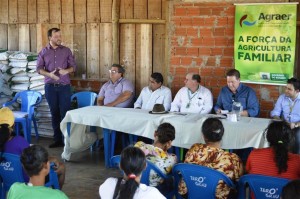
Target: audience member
212	156
291	190
288	106
193	98
158	155
118	91
276	160
155	93
132	163
36	164
235	91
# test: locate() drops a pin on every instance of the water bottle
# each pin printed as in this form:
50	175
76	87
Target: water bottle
237	108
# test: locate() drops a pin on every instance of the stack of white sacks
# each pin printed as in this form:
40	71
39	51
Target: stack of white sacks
5	91
19	71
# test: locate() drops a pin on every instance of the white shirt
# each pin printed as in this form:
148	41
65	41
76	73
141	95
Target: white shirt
148	98
200	101
107	189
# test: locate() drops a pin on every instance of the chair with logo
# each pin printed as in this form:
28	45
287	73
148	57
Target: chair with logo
29	101
200	181
11	171
261	186
145	178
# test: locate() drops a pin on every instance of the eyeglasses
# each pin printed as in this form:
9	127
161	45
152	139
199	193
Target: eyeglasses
113	71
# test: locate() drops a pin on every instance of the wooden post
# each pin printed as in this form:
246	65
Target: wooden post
115	30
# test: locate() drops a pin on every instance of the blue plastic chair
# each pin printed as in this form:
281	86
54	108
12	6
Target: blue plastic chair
145	178
201	181
11	171
29	101
84	98
261	186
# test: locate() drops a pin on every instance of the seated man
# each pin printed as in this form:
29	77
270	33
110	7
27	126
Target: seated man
36	164
155	93
235	91
193	98
118	91
288	107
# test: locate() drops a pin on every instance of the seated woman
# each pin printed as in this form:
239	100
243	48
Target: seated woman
132	163
212	156
158	155
36	164
10	143
276	160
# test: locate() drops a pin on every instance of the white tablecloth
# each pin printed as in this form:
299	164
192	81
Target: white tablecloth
248	132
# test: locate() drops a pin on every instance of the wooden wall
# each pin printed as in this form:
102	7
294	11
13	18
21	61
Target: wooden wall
86	27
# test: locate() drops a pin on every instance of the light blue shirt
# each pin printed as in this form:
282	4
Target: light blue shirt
290	110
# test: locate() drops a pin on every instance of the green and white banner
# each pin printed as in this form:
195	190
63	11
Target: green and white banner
264	42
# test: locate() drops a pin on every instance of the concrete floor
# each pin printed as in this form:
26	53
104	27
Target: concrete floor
84	173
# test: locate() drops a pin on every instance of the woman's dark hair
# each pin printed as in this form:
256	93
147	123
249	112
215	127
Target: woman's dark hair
33	159
133	162
4	136
291	190
158	78
165	132
213	129
278	135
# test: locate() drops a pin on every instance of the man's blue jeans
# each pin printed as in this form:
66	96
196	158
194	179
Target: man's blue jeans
58	97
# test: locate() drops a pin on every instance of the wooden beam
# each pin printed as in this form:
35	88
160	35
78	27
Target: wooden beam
142	21
115	30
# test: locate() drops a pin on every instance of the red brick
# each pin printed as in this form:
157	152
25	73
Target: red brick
207	71
194	70
180	51
176	21
204	51
230	21
219	72
223	81
229	51
221	41
175	60
179	31
186	60
205	11
192	32
198	21
226	62
222	21
181	71
198	60
218	11
208	41
211	61
180	12
210	21
211	82
266	105
230	11
215	91
193	11
206	32
192	51
229	31
186	21
197	41
264	114
217	51
219	32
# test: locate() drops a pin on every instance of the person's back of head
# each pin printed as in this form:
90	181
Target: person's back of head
7	120
213	130
291	190
132	163
165	132
34	159
278	135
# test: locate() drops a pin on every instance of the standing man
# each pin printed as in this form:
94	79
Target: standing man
155	93
193	98
288	107
235	91
118	91
56	62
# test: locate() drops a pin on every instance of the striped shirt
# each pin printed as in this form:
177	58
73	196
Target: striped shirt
261	161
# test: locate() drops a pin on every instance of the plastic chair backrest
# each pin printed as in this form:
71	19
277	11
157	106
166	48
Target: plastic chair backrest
53	178
10	170
84	98
28	98
145	179
200	181
261	186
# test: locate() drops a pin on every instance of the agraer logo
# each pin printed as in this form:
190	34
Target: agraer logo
247	23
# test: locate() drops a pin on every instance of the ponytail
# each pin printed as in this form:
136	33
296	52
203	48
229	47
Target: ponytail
4	136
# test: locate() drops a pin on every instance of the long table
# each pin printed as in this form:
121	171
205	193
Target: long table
248	132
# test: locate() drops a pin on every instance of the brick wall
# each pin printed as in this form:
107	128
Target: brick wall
202	41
